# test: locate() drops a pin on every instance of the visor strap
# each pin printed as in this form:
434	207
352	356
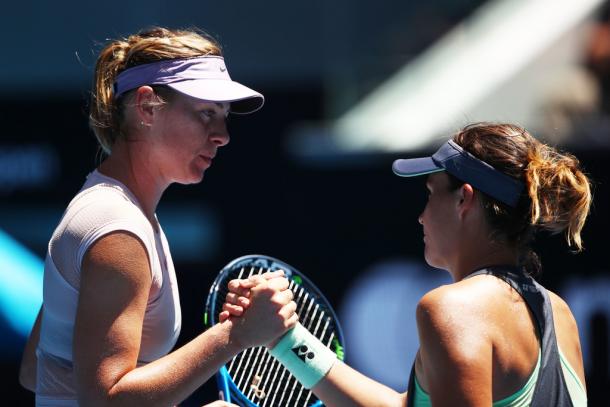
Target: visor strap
484	177
170	71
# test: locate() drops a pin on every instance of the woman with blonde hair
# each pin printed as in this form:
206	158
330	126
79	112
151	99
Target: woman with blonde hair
111	312
494	336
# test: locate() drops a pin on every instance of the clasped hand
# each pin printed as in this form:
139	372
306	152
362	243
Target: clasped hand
261	309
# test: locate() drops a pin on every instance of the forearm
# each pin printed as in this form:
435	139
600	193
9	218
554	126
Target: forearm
344	386
172	378
336	384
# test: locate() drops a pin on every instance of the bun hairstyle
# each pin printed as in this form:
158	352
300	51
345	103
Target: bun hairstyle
557	196
106	117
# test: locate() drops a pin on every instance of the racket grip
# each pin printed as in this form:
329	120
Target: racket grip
304	356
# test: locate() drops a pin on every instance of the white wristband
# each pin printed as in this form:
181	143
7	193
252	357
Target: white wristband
304	356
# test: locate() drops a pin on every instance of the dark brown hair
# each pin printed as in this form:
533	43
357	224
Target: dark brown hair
557	195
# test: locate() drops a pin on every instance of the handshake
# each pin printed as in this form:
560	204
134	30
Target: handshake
260	309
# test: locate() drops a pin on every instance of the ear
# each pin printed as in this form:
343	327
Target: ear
146	100
466	200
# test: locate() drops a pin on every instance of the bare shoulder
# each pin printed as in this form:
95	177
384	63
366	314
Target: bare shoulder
445	312
565	323
464	298
120	254
455	351
435	300
463	314
437	305
561	309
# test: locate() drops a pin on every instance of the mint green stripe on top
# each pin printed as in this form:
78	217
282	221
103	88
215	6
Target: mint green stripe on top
576	389
524	396
521	398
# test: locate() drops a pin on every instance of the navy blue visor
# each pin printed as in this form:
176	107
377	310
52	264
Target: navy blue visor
461	164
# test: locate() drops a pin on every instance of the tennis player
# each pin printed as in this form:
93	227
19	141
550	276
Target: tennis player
494	336
111	311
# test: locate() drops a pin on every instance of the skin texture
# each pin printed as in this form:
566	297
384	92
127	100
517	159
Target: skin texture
170	143
478	341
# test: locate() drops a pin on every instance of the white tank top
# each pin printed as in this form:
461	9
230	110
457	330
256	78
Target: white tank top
102	206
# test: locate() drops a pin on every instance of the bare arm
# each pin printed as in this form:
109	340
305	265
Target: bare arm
113	294
27	370
455	356
342	386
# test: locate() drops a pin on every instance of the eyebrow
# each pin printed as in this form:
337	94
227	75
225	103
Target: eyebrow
221	105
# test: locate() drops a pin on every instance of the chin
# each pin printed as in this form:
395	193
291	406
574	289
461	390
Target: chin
434	261
192	179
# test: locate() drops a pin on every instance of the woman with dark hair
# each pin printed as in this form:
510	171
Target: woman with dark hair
111	312
494	336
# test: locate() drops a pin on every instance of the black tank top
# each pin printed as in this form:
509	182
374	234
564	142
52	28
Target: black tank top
551	389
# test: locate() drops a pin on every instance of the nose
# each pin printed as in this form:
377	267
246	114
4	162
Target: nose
220	136
420	218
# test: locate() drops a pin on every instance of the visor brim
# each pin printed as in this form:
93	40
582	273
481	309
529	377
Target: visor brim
243	100
414	167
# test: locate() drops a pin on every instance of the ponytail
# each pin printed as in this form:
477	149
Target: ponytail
557	196
104	115
559	191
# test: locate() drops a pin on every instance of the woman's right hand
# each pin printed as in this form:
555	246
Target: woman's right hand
237	299
269	313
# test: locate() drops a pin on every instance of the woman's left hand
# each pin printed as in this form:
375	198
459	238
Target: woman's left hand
237	300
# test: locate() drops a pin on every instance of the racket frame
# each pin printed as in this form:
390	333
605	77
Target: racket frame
229	391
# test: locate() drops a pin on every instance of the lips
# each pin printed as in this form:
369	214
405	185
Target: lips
206	159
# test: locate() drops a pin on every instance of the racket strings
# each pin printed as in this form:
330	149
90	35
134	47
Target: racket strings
311	320
284	380
246	362
256	373
269	365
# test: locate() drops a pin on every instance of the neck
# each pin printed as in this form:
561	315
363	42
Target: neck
481	257
128	167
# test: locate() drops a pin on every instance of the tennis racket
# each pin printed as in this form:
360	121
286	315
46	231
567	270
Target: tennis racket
254	377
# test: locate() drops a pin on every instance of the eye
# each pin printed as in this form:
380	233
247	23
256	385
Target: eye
208	113
428	193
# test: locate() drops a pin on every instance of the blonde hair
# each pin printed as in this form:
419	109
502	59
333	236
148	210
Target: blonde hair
106	116
557	196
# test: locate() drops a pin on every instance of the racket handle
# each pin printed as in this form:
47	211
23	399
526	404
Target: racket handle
223	385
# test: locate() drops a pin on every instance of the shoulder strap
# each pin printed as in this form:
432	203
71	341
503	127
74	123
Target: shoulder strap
551	388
